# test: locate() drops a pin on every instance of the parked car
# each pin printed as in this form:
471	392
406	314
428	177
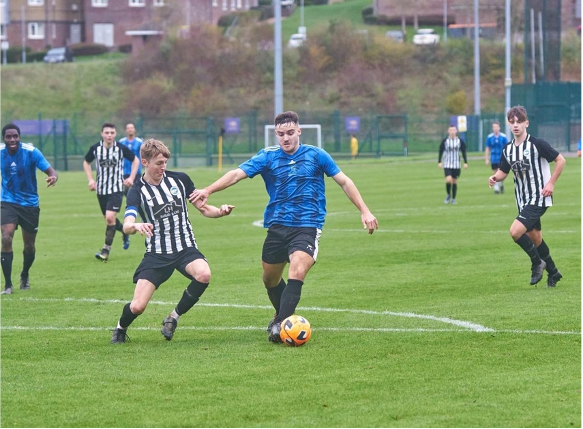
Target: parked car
396	35
426	36
296	40
59	55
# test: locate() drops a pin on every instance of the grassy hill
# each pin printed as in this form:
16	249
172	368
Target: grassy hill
377	75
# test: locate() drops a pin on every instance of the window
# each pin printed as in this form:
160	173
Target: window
36	2
99	3
232	4
239	4
137	3
224	4
215	3
36	30
158	2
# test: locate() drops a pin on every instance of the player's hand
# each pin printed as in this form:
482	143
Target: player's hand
491	181
226	209
128	182
92	185
487	162
51	180
199	194
144	229
370	222
440	165
548	190
465	166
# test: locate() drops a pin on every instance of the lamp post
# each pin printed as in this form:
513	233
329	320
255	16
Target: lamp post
278	61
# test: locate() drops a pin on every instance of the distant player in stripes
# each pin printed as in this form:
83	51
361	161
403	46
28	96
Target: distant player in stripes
19	200
529	158
449	151
495	142
160	198
294	179
109	157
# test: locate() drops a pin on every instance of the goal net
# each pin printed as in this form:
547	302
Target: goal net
311	134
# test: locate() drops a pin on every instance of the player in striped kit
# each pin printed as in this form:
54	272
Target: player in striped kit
109	157
449	150
529	158
160	198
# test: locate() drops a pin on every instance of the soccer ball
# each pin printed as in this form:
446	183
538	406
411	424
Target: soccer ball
295	331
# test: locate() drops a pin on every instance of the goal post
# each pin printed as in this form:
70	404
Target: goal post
310	132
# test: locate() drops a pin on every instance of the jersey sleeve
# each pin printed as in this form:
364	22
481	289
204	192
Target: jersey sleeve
40	161
489	142
327	163
127	153
504	164
133	201
255	165
188	183
546	150
464	150
90	155
441	150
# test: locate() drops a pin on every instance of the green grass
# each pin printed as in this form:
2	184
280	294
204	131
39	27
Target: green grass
63	91
385	349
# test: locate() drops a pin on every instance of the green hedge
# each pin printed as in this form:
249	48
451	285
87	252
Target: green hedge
82	49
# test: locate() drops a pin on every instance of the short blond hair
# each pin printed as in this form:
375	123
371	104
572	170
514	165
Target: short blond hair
152	148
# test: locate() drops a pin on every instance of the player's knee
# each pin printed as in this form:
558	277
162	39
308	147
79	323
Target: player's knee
203	276
138	307
29	248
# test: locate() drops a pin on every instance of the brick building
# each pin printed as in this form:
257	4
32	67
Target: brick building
51	23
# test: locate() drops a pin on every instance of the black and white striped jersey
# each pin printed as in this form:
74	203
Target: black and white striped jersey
109	166
449	150
529	162
165	207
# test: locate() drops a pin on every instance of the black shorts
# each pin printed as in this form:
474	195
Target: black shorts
495	166
26	217
530	216
158	268
281	241
111	202
453	172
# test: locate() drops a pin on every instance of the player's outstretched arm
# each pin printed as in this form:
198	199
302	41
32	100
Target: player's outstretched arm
130	226
212	211
351	191
52	176
228	179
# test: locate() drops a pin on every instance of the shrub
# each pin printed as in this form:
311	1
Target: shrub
126	49
35	56
14	54
84	49
226	20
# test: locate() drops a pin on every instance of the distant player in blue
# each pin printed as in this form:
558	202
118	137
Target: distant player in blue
19	200
294	178
494	145
134	144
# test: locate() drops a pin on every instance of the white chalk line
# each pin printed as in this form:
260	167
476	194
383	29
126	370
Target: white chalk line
466	326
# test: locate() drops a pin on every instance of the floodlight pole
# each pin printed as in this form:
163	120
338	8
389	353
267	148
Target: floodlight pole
508	80
278	66
477	96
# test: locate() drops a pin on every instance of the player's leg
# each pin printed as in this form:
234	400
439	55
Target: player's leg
303	251
29	223
194	266
274	258
9	218
554	275
523	223
448	183
454	178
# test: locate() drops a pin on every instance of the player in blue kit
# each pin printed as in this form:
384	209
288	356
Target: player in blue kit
19	200
495	142
294	179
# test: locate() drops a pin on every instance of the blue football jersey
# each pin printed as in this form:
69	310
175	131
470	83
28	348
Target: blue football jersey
133	145
496	144
19	174
294	183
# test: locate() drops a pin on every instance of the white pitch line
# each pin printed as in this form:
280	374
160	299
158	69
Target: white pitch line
467	326
262	328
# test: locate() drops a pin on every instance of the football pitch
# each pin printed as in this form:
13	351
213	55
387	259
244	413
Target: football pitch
429	322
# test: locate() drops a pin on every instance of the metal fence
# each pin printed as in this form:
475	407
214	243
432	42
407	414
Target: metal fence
193	141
